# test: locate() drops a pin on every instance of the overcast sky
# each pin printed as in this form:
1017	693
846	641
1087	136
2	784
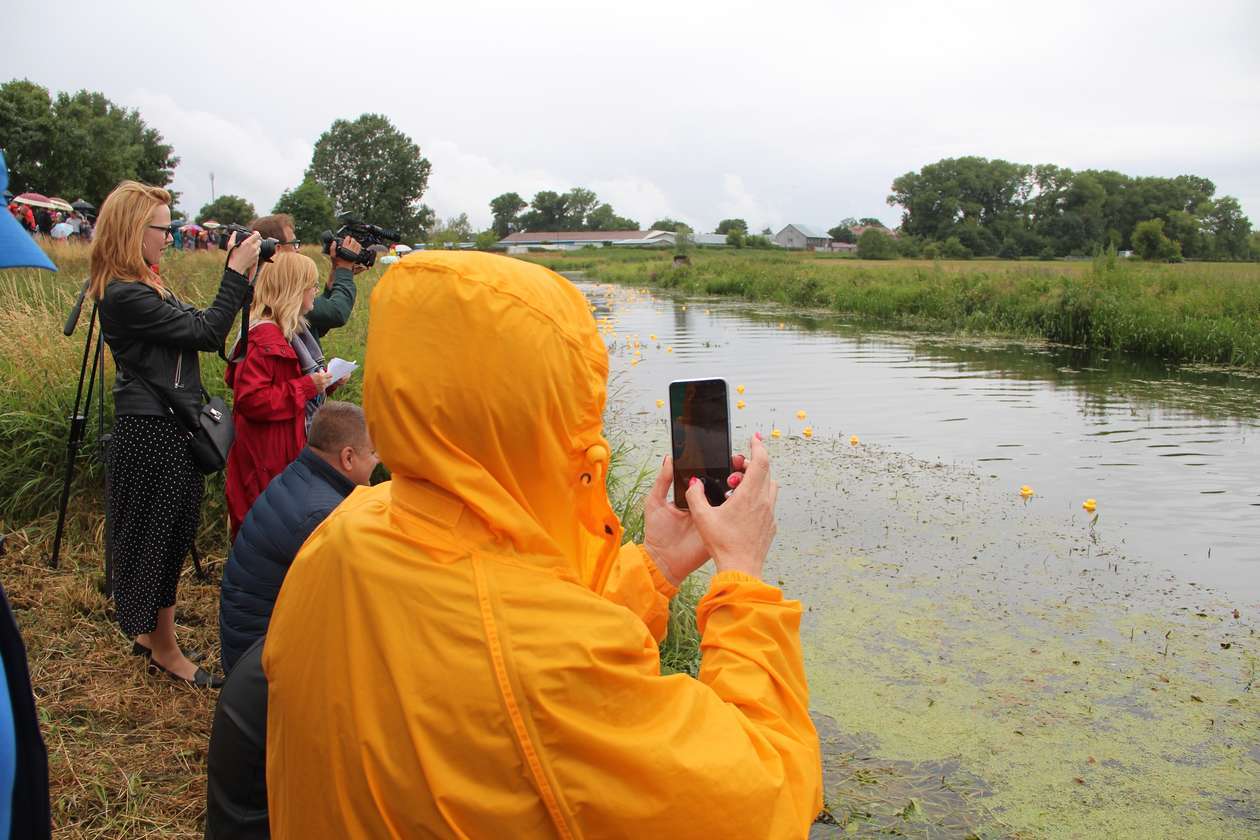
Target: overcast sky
790	112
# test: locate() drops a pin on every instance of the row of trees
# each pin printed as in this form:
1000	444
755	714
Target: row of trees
577	209
77	145
995	207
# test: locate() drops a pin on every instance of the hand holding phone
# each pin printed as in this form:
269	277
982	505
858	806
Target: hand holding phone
700	430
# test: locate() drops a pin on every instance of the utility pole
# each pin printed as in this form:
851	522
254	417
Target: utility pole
212	188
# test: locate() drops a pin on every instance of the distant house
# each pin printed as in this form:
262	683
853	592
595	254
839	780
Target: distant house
568	240
802	238
858	230
709	240
842	247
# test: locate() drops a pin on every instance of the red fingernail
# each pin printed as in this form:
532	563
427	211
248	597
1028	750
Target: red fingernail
692	481
757	435
735	479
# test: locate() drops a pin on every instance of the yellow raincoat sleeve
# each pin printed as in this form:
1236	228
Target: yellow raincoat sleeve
636	584
733	754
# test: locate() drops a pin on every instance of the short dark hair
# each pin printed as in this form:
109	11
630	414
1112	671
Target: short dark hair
272	227
336	425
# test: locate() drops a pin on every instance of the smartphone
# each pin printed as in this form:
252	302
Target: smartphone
700	426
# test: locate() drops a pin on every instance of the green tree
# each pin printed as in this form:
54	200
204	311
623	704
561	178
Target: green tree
26	128
506	210
1151	243
876	245
227	209
310	207
373	170
735	238
953	249
487	239
870	221
1230	229
1183	228
453	230
843	232
603	218
79	145
667	224
547	212
579	203
726	226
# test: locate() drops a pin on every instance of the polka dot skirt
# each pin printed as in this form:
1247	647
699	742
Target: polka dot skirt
154	504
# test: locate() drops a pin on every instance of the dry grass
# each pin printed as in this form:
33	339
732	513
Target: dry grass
126	750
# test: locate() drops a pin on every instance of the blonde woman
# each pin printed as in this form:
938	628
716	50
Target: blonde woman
278	383
155	488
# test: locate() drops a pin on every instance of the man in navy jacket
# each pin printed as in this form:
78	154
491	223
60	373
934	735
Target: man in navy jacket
338	456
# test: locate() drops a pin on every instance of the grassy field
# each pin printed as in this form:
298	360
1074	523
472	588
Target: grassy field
127	751
1191	312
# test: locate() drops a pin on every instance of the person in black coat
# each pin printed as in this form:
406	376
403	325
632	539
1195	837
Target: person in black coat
338	457
155	488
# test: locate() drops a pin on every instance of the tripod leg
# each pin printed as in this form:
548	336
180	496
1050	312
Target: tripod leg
104	441
78	422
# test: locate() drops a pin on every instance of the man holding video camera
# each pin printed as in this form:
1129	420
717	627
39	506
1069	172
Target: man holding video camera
333	307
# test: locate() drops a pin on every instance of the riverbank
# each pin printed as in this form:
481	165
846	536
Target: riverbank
1191	312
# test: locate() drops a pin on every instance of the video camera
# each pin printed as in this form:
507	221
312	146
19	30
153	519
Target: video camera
365	234
267	248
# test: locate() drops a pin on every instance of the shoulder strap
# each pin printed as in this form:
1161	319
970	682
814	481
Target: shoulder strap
164	400
242	344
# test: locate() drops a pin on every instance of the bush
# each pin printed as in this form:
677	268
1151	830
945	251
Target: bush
1151	243
932	251
1009	249
909	247
874	245
953	249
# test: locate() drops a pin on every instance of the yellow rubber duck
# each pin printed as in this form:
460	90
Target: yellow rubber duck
1090	505
780	325
652	338
634	362
739	389
669	349
1025	491
660	403
853	440
800	415
808	431
739	404
776	434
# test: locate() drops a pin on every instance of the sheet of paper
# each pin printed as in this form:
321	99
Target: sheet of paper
340	369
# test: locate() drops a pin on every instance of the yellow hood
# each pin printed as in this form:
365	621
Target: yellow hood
497	400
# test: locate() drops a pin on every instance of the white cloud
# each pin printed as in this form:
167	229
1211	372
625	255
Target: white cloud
246	159
738	202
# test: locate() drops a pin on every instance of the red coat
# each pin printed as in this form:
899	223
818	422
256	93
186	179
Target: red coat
269	407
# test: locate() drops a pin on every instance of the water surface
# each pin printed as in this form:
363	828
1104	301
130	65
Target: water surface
1170	454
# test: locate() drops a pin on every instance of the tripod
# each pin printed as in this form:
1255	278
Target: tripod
93	345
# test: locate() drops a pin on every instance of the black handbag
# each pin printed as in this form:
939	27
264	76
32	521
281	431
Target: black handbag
211	438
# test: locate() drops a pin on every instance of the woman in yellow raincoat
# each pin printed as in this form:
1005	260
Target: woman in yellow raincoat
469	651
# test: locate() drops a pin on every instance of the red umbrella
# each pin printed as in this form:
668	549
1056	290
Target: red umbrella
34	199
61	204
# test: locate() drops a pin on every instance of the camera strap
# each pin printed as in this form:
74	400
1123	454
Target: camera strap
242	343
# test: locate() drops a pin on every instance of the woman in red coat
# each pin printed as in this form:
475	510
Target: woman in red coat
281	375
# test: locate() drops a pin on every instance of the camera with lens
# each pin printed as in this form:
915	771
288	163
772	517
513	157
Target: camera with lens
365	234
267	248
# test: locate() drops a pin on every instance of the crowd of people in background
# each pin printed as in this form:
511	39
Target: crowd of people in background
52	224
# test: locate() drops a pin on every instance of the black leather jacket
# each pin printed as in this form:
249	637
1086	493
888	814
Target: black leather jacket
159	338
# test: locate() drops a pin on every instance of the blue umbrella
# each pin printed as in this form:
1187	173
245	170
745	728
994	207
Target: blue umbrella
17	249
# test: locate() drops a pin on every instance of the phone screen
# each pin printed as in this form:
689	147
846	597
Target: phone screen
700	424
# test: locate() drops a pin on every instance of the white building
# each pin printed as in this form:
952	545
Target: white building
568	240
802	238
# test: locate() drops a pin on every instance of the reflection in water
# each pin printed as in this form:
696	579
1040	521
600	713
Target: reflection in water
1169	453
